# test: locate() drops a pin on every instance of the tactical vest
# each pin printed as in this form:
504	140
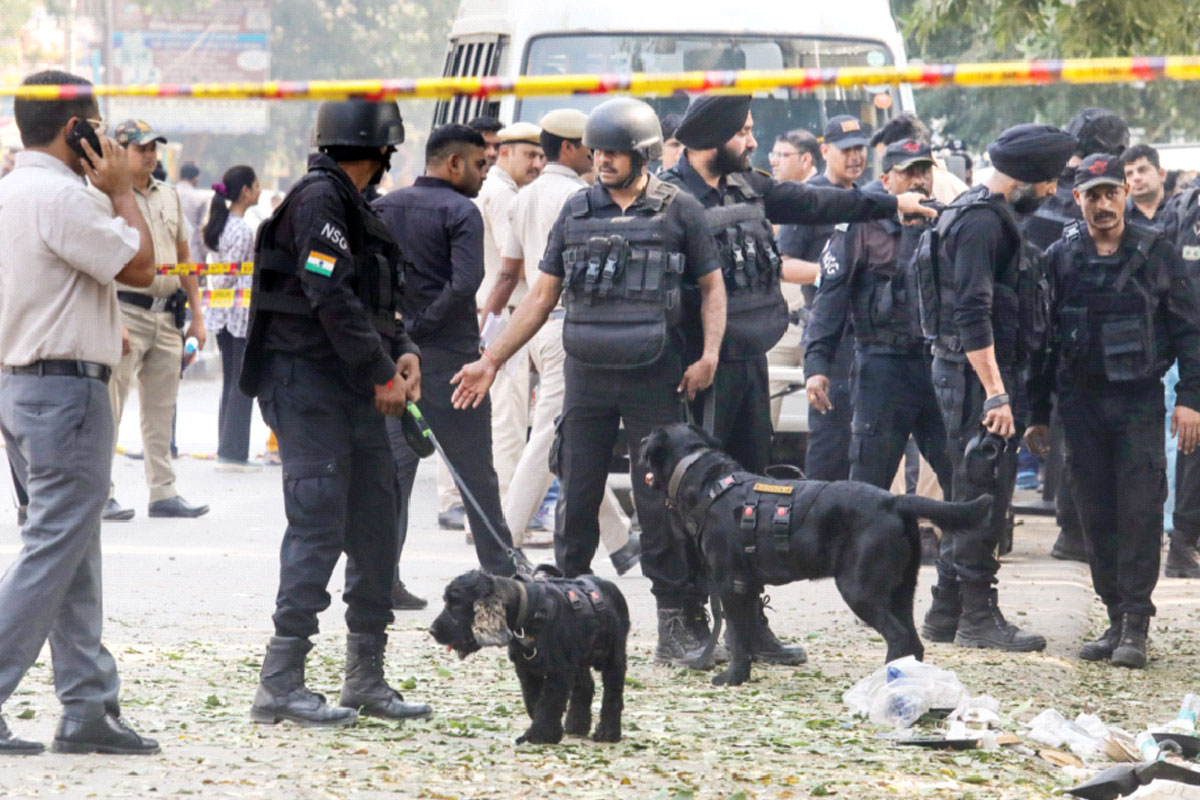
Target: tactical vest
882	305
1021	291
546	595
1106	319
756	314
621	283
1187	233
377	282
765	513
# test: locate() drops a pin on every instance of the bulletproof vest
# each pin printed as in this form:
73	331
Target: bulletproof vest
1106	318
882	304
1044	226
377	280
621	283
765	513
1187	233
756	314
1021	291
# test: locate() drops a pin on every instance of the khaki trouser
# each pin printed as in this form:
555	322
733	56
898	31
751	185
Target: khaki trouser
154	357
532	478
510	416
448	496
787	353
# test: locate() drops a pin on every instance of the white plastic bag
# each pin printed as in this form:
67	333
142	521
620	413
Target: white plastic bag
1084	737
898	693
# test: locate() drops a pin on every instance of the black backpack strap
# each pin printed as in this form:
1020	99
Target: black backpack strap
1144	239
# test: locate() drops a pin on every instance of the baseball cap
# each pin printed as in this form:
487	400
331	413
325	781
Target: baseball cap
135	131
906	153
1099	168
845	131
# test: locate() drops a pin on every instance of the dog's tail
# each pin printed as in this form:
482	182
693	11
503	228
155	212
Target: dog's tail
944	515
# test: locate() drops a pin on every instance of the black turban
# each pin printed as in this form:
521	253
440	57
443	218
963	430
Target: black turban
1032	153
712	120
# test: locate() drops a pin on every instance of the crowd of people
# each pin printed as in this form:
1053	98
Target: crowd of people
620	272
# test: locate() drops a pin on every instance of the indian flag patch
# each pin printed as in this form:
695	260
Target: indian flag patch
320	263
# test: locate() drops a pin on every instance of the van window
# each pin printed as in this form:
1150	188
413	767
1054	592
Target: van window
775	112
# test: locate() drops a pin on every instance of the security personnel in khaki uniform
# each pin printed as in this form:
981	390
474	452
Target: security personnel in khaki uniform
1124	308
149	316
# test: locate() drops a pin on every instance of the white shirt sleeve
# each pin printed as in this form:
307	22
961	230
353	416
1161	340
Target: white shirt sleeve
78	224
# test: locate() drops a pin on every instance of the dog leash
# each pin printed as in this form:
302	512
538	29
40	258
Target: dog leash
413	414
707	424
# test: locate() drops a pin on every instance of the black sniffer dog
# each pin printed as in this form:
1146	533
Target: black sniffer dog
557	630
756	531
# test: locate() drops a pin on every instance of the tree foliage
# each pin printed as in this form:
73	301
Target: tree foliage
946	31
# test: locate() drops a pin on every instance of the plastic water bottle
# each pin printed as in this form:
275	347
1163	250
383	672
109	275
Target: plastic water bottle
1147	746
902	706
191	346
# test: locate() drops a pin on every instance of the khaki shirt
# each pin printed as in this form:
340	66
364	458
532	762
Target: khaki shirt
61	248
160	206
495	201
534	213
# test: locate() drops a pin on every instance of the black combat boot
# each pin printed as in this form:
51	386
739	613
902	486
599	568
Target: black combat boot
677	644
696	612
767	648
941	621
282	694
404	600
982	624
1131	649
1103	647
1069	546
366	690
1183	561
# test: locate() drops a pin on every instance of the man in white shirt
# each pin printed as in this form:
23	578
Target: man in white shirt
195	206
534	213
62	246
520	161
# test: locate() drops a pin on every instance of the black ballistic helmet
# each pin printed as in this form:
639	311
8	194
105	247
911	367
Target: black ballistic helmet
982	458
1098	130
358	123
624	124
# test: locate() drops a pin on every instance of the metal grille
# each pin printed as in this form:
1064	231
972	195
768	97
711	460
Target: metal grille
470	58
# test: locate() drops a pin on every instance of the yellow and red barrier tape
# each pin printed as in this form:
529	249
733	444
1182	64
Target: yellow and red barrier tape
226	298
983	74
212	268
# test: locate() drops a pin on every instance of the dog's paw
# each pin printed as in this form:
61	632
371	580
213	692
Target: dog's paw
606	733
536	735
577	727
729	677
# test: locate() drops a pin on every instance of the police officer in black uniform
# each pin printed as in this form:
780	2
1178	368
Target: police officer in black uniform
866	279
740	204
981	304
327	359
619	256
1182	229
1096	130
1124	308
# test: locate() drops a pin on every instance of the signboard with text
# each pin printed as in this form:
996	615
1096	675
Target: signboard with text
214	42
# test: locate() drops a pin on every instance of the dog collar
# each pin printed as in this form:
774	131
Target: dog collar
680	470
523	606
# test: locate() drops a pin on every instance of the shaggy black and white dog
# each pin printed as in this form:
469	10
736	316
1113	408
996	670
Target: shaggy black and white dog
557	630
756	530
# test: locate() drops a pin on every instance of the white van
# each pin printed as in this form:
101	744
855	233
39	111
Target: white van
511	38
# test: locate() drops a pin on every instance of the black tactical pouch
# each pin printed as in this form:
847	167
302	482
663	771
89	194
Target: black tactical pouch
1128	347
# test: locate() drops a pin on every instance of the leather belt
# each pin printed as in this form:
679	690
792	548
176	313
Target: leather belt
156	304
79	369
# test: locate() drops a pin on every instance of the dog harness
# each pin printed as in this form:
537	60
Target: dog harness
541	599
765	512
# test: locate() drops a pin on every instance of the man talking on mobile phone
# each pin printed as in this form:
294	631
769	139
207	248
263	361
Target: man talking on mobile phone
64	244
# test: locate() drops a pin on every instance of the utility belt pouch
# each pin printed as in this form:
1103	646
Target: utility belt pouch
597	249
1128	347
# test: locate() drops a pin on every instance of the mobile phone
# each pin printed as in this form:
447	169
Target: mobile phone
80	131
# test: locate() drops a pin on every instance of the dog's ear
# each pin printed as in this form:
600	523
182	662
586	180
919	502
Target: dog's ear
490	624
704	436
651	455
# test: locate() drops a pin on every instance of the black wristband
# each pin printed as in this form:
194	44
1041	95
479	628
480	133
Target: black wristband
996	401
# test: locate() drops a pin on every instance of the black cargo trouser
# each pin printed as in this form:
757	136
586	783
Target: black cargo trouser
828	455
1187	494
968	555
893	400
596	403
743	411
338	493
1118	472
466	437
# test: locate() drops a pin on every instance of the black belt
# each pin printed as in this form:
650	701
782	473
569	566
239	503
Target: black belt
79	369
159	304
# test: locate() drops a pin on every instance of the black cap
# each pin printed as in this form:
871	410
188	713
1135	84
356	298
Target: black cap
712	120
845	131
1099	168
906	153
1099	130
1031	153
189	171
